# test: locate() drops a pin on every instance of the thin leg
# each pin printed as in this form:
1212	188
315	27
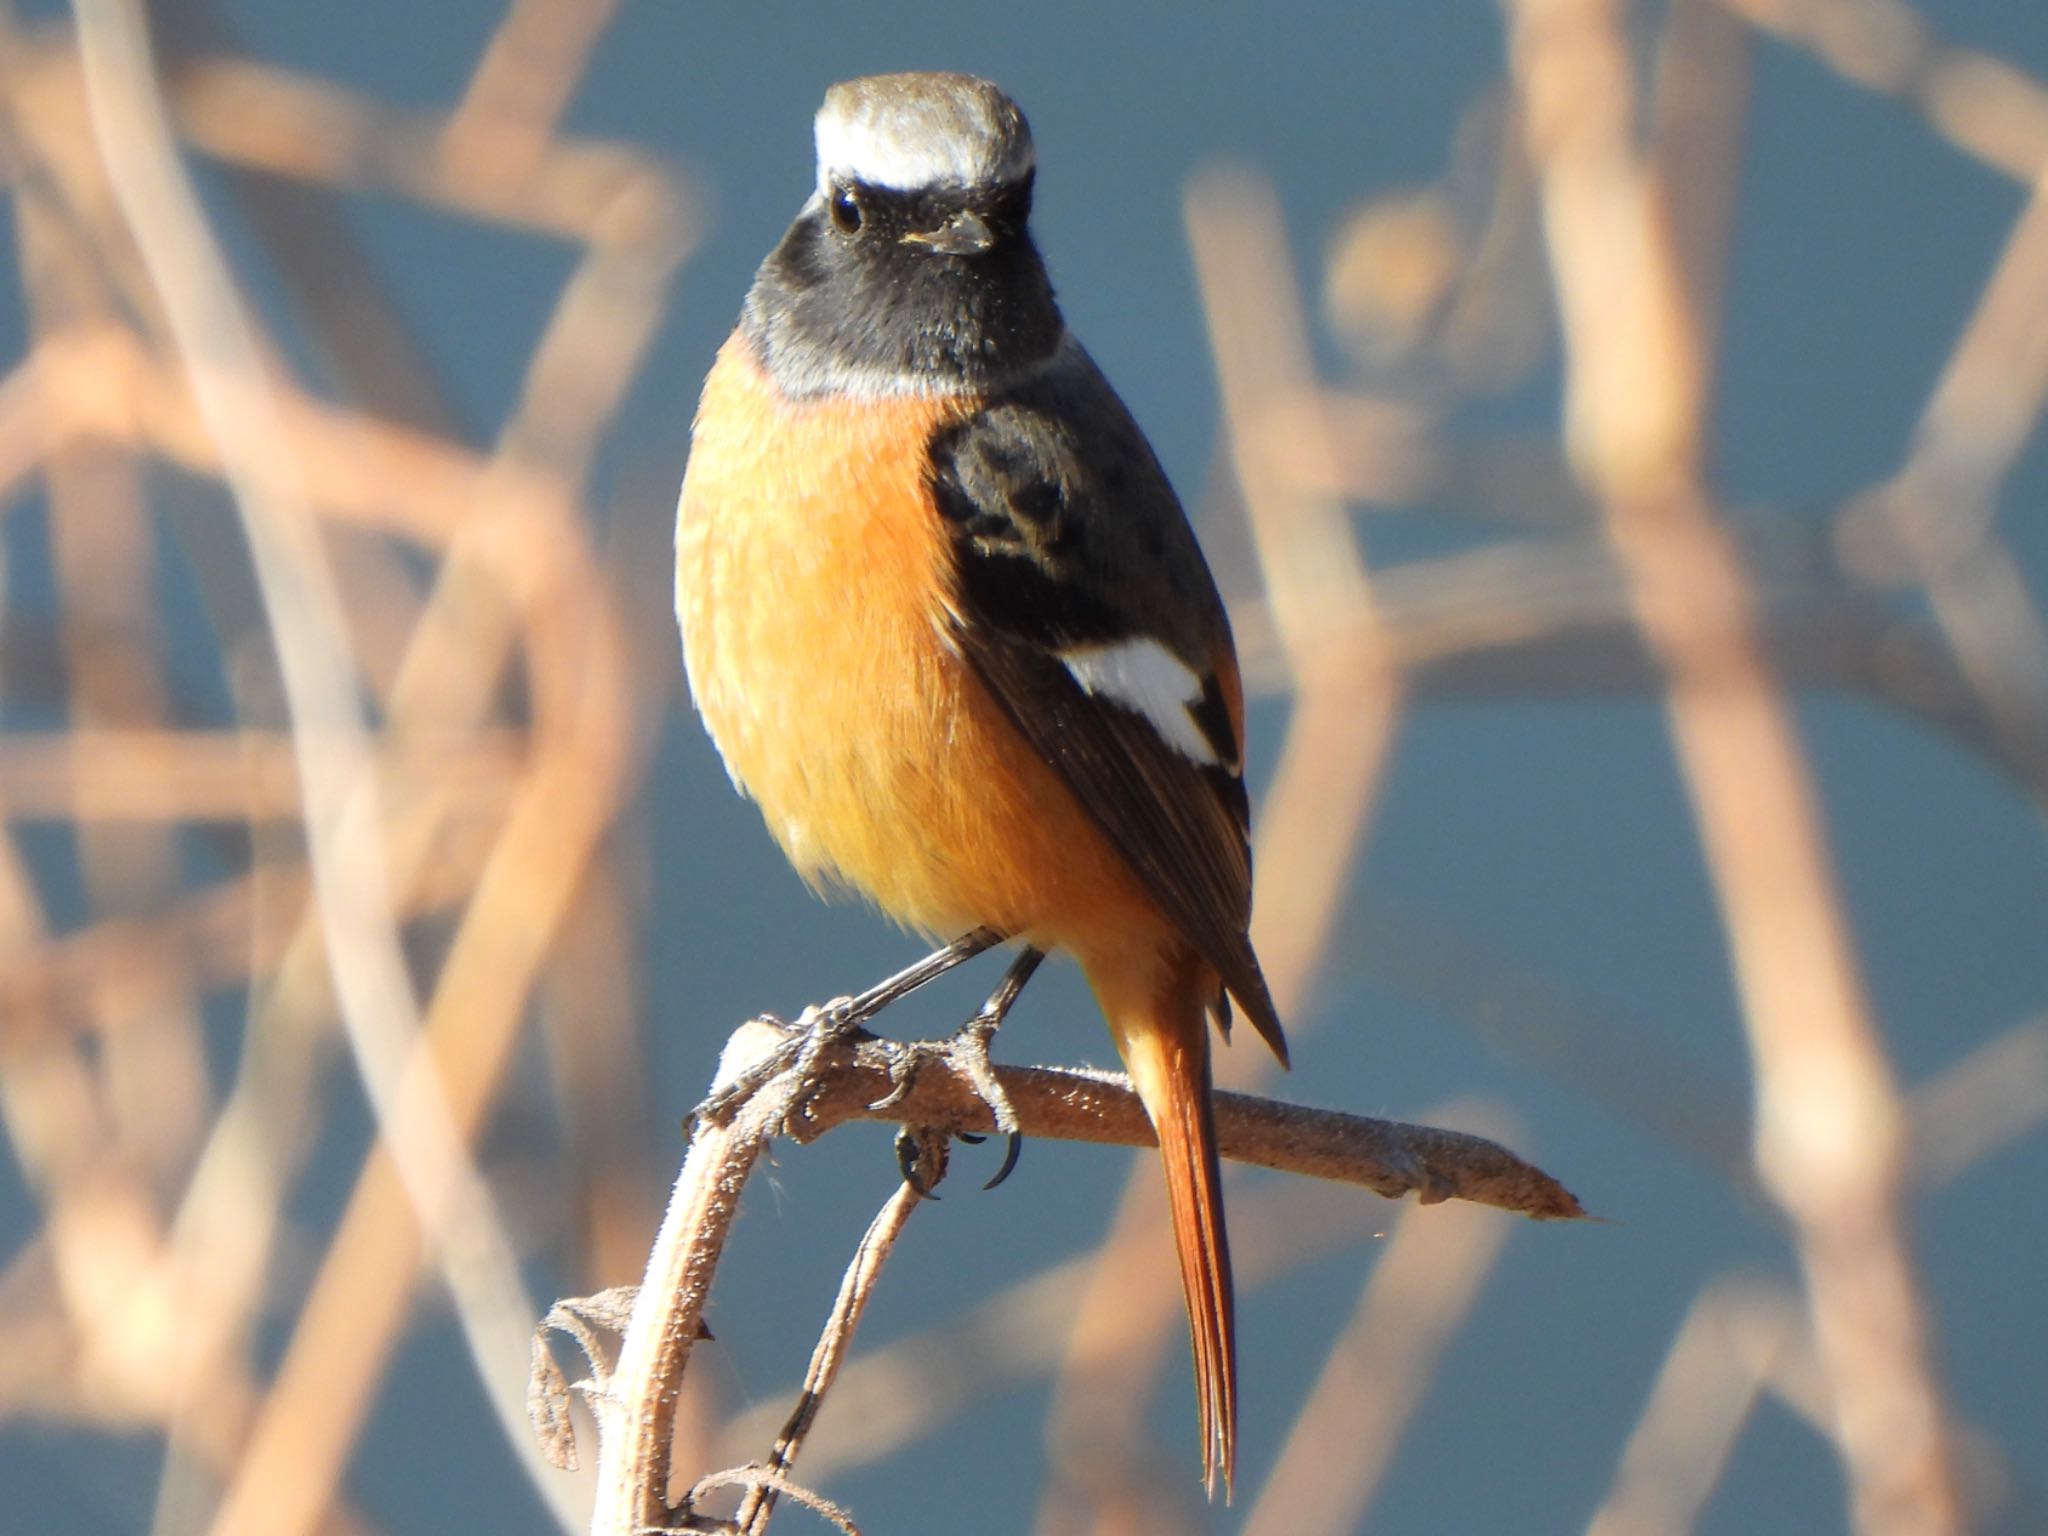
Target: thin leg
1021	970
930	968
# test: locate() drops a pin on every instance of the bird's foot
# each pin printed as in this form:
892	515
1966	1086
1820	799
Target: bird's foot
817	1030
966	1053
921	1153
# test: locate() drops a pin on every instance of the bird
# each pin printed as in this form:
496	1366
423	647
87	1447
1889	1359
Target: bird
948	626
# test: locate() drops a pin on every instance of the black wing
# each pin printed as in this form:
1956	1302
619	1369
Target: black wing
1068	539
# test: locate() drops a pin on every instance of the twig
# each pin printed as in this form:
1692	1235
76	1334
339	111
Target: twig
635	1406
1070	1104
635	1403
1021	1332
836	1340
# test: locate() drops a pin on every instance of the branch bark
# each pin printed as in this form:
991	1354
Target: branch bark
635	1401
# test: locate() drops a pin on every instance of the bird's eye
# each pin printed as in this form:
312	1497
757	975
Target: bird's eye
845	210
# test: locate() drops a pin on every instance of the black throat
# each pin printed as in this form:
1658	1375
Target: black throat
870	313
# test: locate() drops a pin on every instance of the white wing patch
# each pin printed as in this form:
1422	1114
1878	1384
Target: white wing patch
1145	677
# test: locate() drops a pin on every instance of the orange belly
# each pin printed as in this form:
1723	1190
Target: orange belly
810	571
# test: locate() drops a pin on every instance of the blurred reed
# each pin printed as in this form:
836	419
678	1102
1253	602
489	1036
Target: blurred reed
178	920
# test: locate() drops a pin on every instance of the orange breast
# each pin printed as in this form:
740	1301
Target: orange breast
810	567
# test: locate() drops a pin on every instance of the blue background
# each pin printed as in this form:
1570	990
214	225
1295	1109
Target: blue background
1551	833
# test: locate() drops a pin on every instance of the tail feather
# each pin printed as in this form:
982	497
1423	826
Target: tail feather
1166	1048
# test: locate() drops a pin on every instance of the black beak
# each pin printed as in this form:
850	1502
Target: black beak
964	234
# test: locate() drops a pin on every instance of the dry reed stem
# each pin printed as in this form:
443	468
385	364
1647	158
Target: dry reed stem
542	561
1543	618
1985	106
1828	1125
265	118
523	84
1698	104
1941	505
354	1314
103	775
376	475
103	551
629	276
1421	1288
593	345
1717	1364
591	1023
1347	696
231	933
342	817
1991	1098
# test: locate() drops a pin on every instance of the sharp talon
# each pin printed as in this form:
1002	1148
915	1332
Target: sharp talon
909	1155
972	1138
1011	1153
902	1077
967	1052
895	1095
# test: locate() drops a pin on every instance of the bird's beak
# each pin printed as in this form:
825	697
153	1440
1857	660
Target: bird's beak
964	234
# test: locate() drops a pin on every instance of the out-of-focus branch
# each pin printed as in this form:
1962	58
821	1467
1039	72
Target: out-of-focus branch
582	191
1829	1124
1019	1333
1552	617
1319	592
1986	106
1348	1429
227	370
1941	506
111	775
1710	1381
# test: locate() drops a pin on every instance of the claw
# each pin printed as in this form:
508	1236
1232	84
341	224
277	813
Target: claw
902	1077
966	1052
1013	1151
914	1150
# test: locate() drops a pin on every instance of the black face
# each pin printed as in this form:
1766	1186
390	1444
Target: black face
854	296
880	216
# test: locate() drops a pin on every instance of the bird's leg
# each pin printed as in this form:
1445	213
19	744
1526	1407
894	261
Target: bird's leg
967	1053
911	977
819	1028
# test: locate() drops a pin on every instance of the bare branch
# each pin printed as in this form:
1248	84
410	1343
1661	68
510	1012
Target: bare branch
636	1403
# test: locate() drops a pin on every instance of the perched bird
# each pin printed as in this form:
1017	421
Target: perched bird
948	626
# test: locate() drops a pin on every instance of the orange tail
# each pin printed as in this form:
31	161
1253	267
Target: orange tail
1164	1040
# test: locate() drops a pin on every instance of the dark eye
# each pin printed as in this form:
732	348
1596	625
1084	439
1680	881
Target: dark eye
845	210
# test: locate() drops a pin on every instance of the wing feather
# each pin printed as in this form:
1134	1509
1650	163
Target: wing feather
1067	537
